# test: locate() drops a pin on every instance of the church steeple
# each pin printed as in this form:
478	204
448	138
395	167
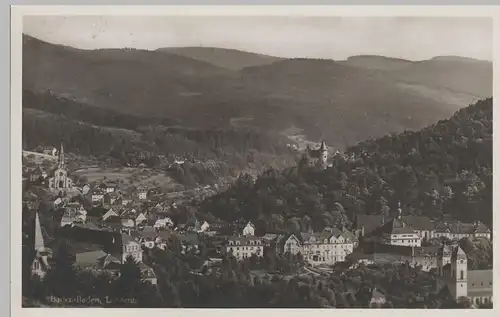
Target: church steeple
323	154
39	241
323	146
61	157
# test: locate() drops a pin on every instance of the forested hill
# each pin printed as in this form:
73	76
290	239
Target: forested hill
444	170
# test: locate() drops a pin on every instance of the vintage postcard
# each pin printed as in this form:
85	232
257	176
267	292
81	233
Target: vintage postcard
252	158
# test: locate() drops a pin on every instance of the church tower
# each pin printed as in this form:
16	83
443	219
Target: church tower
459	273
39	241
59	180
60	159
40	262
323	154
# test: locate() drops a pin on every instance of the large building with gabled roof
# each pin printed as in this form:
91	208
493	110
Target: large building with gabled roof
455	278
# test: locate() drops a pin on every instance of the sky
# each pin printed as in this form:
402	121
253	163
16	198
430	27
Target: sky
414	38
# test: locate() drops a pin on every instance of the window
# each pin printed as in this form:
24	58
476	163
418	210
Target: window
462	274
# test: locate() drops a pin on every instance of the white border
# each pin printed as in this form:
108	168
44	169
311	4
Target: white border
18	12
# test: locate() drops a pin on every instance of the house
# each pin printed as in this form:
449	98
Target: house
36	175
106	188
377	299
85	189
243	247
455	278
126	202
142	194
49	151
57	202
204	227
249	229
397	232
271	240
289	243
109	198
140	219
127	222
108	214
97	195
130	247
71	215
163	223
190	242
326	247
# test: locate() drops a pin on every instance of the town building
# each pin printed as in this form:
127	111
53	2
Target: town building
289	243
242	247
326	247
249	229
458	230
422	226
142	194
130	247
97	195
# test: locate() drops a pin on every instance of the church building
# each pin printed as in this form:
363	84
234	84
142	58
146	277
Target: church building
59	180
453	275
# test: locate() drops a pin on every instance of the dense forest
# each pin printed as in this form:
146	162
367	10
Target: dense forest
129	140
444	170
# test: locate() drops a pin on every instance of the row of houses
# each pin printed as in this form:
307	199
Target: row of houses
412	230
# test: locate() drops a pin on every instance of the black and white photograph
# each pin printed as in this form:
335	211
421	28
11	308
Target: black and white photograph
256	161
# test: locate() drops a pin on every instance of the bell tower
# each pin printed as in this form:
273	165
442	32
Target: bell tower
60	159
459	267
323	154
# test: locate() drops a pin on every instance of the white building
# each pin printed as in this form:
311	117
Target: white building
243	247
142	194
326	247
163	223
204	227
130	247
249	229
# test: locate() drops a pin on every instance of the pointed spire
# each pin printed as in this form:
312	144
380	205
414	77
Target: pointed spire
39	241
61	157
399	210
323	146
